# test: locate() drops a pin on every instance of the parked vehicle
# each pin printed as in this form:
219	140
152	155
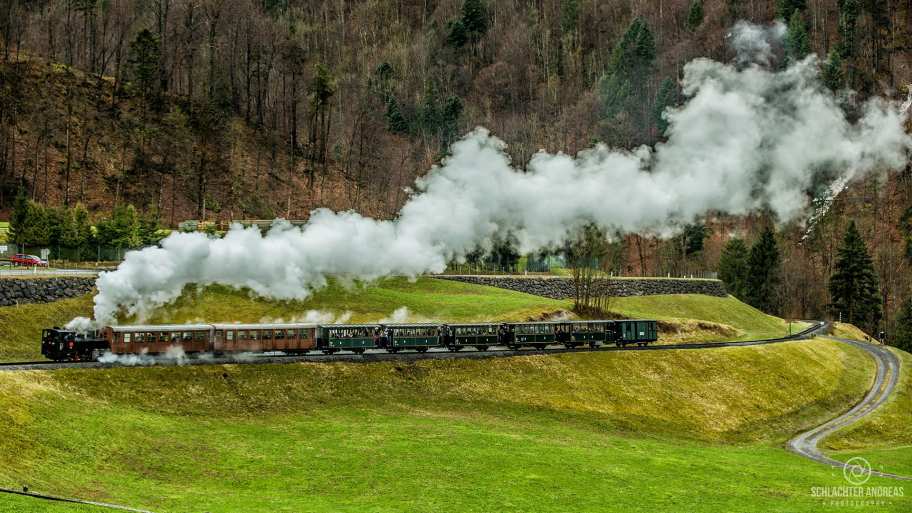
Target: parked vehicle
27	260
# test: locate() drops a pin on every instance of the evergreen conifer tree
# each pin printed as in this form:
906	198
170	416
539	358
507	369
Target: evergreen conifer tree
797	43
19	218
695	15
733	267
762	284
832	74
902	335
475	19
666	97
854	289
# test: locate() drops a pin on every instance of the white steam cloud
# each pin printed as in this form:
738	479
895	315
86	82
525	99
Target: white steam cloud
747	138
756	43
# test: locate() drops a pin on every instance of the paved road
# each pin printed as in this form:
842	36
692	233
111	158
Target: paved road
885	381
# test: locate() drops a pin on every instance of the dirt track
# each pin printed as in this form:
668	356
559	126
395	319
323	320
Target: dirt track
885	381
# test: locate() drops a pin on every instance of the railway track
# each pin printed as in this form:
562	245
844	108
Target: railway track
381	356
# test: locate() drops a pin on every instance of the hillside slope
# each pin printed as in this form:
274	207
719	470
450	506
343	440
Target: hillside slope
512	434
80	141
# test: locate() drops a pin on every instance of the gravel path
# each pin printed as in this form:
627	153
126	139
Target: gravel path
806	444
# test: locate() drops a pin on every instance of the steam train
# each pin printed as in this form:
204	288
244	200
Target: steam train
224	339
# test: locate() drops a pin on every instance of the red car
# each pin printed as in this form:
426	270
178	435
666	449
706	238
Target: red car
28	260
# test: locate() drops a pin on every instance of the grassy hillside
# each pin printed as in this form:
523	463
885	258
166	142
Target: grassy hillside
22	325
884	438
725	318
686	317
425	298
513	434
846	330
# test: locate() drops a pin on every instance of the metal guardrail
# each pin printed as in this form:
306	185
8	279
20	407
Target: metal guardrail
40	271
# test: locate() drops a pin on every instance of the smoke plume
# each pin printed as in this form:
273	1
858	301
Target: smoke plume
746	138
756	44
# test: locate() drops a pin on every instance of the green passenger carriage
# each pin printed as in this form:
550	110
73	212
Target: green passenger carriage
481	336
419	337
357	338
637	331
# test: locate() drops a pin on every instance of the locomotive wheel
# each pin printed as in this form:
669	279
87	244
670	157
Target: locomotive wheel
455	349
481	348
393	350
421	349
358	351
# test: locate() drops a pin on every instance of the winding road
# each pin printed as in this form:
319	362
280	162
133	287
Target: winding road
806	443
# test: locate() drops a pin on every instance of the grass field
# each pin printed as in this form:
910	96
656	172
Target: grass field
697	430
22	325
725	318
846	330
884	438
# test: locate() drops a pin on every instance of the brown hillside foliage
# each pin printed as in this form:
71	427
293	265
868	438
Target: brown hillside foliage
256	109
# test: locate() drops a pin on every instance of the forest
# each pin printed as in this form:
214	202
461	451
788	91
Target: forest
218	110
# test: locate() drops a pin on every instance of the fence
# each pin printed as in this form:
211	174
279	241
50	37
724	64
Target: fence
96	253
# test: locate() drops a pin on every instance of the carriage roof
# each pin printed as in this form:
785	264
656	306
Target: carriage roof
160	327
265	326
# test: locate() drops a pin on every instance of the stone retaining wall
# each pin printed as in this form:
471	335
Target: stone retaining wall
42	290
558	287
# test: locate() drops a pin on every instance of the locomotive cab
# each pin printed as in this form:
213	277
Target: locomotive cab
67	345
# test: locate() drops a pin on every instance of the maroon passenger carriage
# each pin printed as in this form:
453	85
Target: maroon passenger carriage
211	338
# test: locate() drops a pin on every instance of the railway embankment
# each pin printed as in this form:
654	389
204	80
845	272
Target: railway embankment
42	290
561	287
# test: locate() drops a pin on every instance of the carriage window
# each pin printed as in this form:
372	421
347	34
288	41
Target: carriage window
162	336
188	336
254	335
126	337
267	334
241	334
201	335
229	336
150	337
279	334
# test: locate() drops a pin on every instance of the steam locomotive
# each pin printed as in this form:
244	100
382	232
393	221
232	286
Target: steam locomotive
298	338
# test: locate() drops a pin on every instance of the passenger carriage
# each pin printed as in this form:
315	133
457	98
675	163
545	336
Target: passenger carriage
635	331
536	334
591	333
419	337
289	338
158	339
332	338
481	336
